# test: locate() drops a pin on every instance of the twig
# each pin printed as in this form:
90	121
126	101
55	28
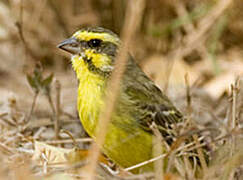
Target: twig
27	151
189	122
188	94
71	136
200	154
3	114
188	168
157	150
20	23
10	122
6	149
146	162
234	89
68	114
38	132
48	95
132	21
45	163
58	109
68	141
188	100
19	26
170	64
233	132
32	107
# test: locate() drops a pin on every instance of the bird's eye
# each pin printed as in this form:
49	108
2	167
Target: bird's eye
94	43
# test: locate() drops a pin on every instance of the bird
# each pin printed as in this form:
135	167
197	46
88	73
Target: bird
139	105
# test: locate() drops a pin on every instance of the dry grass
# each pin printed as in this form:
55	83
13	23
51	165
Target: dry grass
202	39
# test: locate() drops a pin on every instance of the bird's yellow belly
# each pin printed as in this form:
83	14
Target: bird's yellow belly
125	143
125	147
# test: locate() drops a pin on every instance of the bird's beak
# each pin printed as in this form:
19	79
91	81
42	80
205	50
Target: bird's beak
70	45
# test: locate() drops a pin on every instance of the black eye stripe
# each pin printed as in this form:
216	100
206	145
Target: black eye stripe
106	47
94	43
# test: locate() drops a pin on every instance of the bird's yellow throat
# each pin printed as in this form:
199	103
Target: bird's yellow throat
90	91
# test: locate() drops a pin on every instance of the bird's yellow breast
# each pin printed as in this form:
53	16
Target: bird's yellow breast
90	92
119	143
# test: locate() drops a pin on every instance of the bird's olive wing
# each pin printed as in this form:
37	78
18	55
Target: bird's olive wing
146	103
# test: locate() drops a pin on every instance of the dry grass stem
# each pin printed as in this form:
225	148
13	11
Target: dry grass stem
146	162
233	123
58	109
71	136
69	141
132	21
157	150
32	107
200	154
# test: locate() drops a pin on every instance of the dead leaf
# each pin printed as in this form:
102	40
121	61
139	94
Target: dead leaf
61	156
53	155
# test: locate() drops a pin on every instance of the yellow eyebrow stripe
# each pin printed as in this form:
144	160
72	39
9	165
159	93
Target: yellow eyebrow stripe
86	36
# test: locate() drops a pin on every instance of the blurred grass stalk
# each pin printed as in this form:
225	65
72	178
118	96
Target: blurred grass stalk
214	42
157	151
134	13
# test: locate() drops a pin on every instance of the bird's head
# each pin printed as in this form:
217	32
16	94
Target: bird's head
94	48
